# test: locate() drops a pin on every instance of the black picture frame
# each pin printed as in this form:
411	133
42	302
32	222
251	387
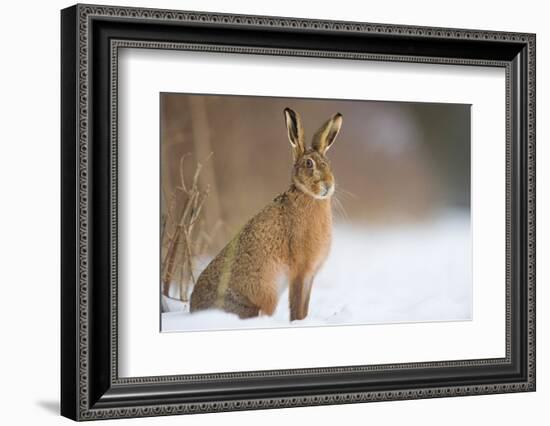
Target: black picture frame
90	386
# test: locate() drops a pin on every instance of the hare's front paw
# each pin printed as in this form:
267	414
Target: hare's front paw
298	315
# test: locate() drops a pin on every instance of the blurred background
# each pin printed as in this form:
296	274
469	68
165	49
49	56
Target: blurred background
392	161
396	165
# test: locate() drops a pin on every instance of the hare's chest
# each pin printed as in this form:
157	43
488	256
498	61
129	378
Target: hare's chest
321	251
312	244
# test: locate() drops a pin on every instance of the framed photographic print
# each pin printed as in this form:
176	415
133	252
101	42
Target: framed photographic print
263	212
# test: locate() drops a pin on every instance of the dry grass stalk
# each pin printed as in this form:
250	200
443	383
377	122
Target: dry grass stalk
187	239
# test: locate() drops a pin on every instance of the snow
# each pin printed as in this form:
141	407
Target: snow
373	275
170	304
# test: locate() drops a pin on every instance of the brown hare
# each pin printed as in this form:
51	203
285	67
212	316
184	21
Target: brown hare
286	242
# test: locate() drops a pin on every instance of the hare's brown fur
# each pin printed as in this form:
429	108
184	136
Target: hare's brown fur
287	240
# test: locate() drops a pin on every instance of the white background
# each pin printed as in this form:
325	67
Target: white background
29	223
141	345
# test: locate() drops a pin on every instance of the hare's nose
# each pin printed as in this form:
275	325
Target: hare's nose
327	189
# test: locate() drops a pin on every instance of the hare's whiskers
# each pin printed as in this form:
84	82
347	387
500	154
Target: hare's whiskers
339	208
345	192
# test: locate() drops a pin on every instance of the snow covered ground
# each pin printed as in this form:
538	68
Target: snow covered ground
411	273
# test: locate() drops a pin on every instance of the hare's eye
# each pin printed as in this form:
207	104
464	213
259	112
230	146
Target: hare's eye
309	163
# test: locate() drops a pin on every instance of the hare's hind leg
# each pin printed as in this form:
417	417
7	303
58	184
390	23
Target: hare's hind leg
205	291
257	284
236	303
242	306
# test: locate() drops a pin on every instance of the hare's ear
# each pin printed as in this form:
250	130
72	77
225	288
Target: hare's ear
295	132
326	135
